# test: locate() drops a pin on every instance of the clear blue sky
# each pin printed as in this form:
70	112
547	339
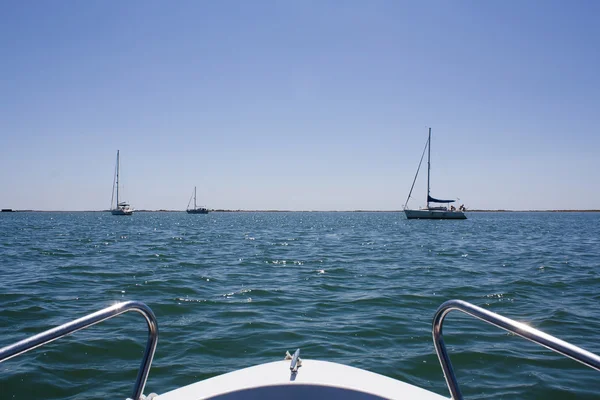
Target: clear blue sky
299	105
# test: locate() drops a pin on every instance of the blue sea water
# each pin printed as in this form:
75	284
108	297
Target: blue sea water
231	290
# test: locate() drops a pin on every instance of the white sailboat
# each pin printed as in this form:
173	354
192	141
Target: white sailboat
429	212
122	207
196	209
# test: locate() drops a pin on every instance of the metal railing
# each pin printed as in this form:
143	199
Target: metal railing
550	342
50	335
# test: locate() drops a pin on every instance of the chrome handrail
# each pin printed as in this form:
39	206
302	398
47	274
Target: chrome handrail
50	335
525	331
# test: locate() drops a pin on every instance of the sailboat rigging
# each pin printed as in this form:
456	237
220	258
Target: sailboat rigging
122	207
196	209
429	212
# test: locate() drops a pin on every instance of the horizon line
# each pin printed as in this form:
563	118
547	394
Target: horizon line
8	210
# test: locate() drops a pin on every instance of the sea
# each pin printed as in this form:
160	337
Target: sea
236	289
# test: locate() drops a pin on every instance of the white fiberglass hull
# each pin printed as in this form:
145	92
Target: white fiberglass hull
121	211
314	380
434	214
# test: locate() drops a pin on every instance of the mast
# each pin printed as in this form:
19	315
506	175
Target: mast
195	198
117	179
428	165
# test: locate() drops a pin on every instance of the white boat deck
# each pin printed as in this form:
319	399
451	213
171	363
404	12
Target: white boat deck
314	380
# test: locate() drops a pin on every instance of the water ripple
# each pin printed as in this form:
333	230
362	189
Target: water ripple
235	289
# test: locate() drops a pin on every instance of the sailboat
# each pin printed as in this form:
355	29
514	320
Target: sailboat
429	212
196	209
122	208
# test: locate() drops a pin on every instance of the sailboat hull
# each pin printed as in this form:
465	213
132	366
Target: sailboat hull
198	211
120	211
434	214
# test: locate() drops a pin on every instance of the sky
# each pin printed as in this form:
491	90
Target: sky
299	105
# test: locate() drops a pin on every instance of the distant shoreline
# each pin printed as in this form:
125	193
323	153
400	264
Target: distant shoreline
297	211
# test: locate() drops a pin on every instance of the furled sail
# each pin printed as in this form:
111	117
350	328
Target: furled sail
433	200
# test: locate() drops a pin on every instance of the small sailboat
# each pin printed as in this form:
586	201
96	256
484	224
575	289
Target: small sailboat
429	212
196	209
122	207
